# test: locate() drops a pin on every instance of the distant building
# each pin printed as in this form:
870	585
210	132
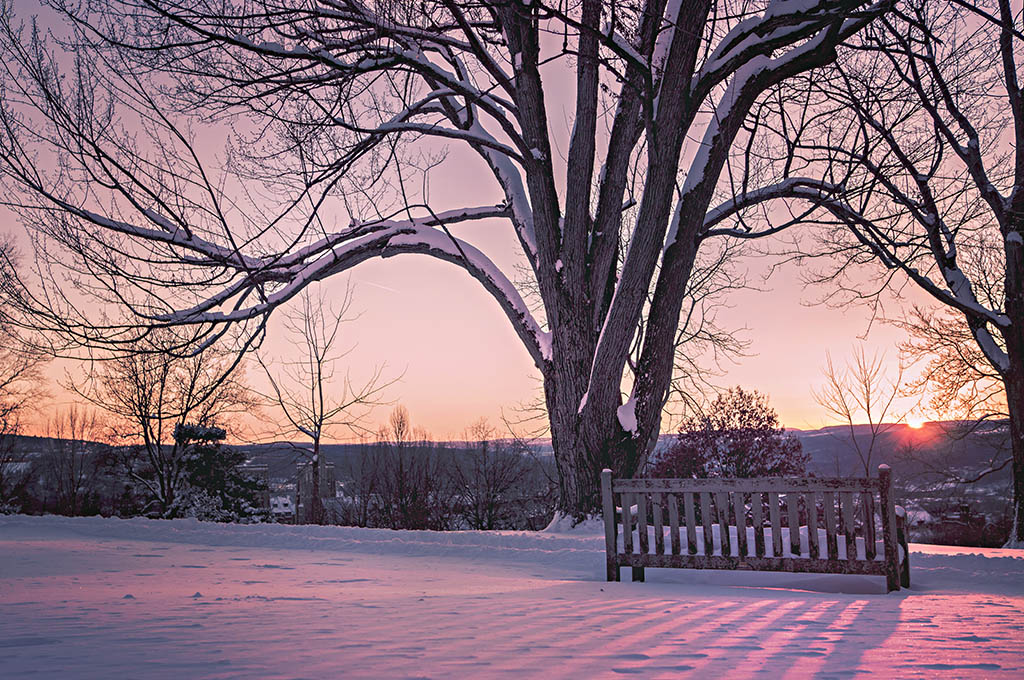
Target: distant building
282	508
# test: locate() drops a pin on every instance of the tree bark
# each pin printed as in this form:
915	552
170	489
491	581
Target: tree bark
583	447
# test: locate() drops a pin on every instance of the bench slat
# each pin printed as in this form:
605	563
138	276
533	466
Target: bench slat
868	506
793	512
722	508
611	542
627	523
849	526
659	527
757	517
673	522
776	484
741	523
811	504
641	522
691	523
830	525
773	514
705	518
792	564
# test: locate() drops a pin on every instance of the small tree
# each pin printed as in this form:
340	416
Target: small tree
491	480
148	394
361	501
306	389
216	487
73	462
416	490
862	393
739	436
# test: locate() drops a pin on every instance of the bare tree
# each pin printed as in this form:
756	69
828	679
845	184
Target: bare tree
360	489
919	130
402	487
861	394
964	385
74	459
149	393
959	380
491	479
414	484
22	387
317	402
345	104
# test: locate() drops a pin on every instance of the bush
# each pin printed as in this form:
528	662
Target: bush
739	436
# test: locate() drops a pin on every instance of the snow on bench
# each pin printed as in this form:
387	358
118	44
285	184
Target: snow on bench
821	525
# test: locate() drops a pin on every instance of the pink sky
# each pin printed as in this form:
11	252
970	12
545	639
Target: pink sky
462	361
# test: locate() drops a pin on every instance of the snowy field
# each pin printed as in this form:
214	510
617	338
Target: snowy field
119	599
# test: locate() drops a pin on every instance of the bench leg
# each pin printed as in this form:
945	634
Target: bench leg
905	565
638	573
892	581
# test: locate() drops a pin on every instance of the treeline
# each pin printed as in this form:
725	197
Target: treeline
402	480
71	474
409	482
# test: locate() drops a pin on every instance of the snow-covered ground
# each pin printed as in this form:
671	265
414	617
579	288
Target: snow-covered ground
119	599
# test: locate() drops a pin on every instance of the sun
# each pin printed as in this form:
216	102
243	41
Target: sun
915	422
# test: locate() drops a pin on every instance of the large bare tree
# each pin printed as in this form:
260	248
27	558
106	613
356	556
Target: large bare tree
919	127
340	106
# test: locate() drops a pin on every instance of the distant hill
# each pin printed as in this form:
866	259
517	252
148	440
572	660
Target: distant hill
909	451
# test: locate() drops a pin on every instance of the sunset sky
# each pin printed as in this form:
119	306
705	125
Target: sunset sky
460	360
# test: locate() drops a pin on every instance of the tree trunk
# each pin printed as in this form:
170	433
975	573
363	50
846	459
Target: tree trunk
1013	377
1015	404
316	504
584	444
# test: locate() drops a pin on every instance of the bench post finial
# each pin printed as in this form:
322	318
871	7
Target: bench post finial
610	527
892	564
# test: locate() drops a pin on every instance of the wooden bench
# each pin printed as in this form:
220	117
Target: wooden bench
828	514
